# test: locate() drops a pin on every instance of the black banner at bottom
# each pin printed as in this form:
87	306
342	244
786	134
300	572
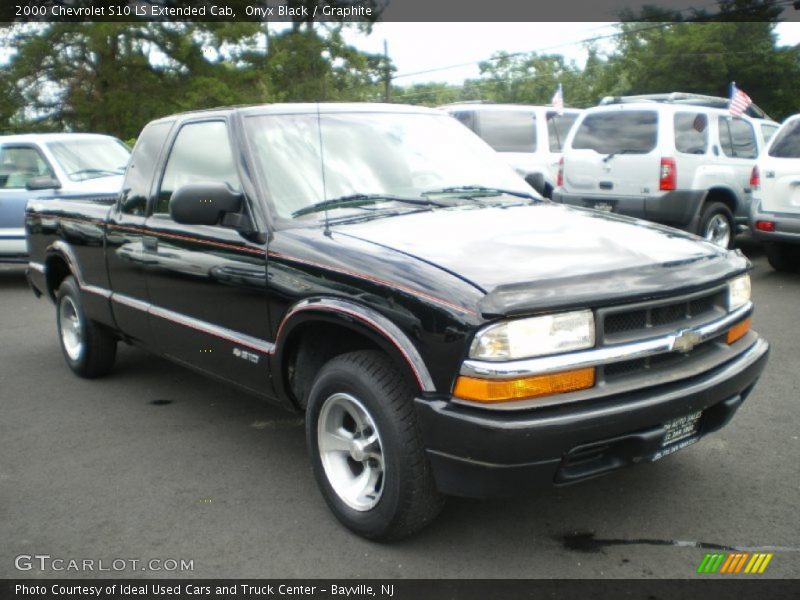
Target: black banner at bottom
403	589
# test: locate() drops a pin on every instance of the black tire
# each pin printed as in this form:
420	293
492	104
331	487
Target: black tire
95	350
408	499
712	213
783	257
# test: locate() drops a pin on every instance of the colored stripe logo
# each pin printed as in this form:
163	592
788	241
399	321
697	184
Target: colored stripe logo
735	563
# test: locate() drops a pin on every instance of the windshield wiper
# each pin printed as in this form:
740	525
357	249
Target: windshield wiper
471	191
361	200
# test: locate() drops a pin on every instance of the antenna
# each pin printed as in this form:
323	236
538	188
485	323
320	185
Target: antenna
322	166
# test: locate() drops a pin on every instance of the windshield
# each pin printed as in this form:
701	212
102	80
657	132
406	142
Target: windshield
90	158
394	154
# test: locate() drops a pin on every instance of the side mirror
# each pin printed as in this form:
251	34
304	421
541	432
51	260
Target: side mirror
42	182
204	203
536	181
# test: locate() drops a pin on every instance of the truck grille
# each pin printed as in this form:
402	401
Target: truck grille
646	320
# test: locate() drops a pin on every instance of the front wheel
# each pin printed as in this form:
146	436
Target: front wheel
716	224
365	448
89	349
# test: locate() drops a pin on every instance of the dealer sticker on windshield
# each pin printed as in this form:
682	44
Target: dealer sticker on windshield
680	432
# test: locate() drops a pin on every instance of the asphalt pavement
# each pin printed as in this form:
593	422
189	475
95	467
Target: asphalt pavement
158	462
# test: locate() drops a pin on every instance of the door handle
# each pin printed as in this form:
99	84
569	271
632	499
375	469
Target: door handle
150	243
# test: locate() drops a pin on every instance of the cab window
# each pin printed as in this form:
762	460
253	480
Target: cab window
139	176
201	154
20	164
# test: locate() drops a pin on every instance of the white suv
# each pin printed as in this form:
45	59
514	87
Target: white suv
677	159
775	210
528	137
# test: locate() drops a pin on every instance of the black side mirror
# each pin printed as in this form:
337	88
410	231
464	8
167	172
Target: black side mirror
204	203
536	181
42	182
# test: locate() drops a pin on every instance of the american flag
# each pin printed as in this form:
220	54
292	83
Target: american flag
739	101
558	100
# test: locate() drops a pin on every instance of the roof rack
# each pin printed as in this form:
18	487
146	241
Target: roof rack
685	98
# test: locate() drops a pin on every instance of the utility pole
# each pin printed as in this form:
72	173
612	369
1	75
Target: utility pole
387	73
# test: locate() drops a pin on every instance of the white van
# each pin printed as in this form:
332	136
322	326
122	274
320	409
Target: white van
528	137
676	159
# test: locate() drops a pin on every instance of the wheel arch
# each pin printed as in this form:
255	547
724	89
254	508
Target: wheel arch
722	194
314	331
59	263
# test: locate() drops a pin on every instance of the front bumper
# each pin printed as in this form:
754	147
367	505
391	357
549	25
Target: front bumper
481	453
680	208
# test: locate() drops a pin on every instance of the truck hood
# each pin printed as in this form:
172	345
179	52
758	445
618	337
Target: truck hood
544	255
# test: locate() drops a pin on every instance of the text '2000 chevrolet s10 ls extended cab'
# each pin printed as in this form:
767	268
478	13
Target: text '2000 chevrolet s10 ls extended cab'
380	269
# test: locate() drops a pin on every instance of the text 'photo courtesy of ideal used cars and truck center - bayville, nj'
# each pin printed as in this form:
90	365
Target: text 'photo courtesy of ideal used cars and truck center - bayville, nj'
465	265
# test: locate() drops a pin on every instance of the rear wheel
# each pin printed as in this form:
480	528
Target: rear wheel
365	447
89	349
782	256
716	224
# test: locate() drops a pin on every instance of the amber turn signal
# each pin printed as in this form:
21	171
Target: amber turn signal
507	390
737	332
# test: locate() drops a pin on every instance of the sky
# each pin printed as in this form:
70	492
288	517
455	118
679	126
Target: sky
417	47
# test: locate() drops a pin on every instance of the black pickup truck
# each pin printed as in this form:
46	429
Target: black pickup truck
380	269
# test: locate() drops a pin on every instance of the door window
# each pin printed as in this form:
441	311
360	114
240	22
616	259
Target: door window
768	131
623	132
691	133
18	165
201	154
509	131
737	138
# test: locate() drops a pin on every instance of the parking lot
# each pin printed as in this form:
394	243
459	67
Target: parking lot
156	461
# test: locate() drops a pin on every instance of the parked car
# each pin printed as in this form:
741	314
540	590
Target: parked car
676	159
42	166
381	270
775	212
528	137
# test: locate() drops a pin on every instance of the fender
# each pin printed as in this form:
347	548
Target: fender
368	317
62	249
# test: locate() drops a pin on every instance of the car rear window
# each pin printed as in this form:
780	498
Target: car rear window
623	132
509	131
787	142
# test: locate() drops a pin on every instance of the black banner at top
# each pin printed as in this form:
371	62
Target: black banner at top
392	10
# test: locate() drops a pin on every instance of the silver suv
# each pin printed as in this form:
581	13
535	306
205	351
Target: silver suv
677	159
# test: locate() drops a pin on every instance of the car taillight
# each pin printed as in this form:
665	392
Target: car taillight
755	178
765	226
668	175
560	176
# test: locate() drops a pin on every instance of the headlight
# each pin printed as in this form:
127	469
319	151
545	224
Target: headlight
738	292
536	336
